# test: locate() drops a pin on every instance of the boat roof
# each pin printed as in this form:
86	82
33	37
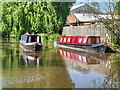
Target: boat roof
82	36
27	34
92	36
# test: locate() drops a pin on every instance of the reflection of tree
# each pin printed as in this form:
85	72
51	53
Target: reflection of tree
6	56
10	54
16	75
113	78
51	58
21	62
11	57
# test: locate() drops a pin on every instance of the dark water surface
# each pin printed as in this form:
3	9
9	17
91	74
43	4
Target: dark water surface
57	68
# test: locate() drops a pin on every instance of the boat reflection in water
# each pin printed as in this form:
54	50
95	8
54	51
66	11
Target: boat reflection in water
87	71
31	58
79	62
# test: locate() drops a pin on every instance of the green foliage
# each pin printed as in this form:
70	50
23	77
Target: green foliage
44	39
48	40
0	11
115	31
37	17
114	39
113	24
117	9
51	39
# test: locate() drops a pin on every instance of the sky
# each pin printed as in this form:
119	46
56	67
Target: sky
103	5
96	0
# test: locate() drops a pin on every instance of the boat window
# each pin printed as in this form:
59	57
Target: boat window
61	39
85	39
93	40
98	41
68	39
89	40
33	38
64	39
39	37
23	38
80	40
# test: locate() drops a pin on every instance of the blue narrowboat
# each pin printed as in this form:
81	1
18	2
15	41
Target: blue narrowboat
30	42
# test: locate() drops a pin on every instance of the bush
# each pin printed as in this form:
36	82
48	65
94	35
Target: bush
48	40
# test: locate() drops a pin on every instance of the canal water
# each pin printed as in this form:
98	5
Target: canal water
57	68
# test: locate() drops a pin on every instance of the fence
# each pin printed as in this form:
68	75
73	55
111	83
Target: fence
99	30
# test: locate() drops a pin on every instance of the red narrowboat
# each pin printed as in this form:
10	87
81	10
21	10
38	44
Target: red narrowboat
85	43
30	42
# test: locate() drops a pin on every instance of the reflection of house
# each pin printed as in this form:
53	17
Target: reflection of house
82	14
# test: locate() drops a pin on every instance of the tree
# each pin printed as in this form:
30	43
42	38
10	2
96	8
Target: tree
112	24
37	17
96	5
112	21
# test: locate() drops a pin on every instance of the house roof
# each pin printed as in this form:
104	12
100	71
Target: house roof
85	17
72	19
77	6
84	13
77	17
85	8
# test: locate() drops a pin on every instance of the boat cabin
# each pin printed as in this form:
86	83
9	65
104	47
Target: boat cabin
79	39
30	42
26	38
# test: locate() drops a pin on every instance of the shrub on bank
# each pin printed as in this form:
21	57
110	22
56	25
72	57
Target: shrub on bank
48	40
